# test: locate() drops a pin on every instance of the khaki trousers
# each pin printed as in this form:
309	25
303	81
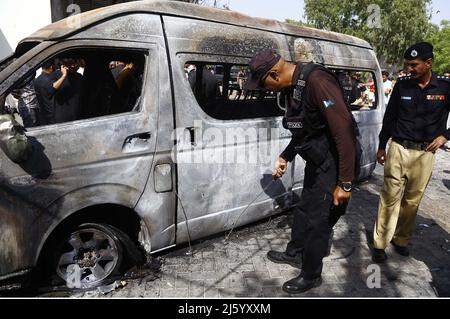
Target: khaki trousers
406	176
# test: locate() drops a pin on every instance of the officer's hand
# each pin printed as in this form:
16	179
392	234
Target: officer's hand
280	168
438	142
340	196
381	156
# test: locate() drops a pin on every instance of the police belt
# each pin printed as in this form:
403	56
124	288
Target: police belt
418	146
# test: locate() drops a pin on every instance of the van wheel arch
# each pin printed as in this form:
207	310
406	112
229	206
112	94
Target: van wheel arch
120	222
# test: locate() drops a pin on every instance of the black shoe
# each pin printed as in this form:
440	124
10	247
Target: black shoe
379	256
283	258
299	284
401	250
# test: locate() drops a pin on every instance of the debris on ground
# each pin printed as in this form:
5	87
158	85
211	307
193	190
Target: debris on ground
109	288
149	271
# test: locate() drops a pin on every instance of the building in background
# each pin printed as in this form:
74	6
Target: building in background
20	18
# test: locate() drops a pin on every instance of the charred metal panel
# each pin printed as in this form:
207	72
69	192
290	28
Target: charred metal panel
322	35
12	236
132	27
195	36
158	209
332	54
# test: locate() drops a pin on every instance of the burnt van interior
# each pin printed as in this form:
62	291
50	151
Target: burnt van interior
359	89
104	82
220	91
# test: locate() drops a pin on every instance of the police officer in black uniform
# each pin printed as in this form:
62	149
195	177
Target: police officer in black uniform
416	120
323	134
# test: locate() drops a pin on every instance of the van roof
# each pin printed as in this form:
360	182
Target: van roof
62	29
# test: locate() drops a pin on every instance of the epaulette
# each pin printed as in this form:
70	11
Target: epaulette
404	78
443	78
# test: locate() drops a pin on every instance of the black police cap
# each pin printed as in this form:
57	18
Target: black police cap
259	65
422	50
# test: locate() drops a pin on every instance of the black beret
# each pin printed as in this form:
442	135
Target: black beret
259	65
422	50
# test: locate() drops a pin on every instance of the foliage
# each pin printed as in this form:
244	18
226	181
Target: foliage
440	39
390	26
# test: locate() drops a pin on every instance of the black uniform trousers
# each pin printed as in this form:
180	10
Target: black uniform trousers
315	216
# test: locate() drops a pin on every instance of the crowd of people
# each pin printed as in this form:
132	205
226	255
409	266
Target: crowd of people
55	95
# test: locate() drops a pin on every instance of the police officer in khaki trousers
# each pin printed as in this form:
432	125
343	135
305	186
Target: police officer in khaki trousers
416	120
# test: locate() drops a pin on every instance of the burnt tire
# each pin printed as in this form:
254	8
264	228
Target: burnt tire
91	255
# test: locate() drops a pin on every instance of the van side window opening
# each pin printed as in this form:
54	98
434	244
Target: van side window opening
98	82
359	89
220	91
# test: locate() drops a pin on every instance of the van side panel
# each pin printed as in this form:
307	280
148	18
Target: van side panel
214	194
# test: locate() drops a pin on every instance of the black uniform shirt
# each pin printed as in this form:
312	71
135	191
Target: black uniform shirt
323	91
415	114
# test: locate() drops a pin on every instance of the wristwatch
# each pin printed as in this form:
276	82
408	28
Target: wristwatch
346	186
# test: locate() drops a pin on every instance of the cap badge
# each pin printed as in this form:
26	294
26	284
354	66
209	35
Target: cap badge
414	53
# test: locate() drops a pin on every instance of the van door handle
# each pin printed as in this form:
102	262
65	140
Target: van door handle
192	135
141	136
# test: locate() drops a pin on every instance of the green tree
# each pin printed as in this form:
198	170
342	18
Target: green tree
390	26
440	39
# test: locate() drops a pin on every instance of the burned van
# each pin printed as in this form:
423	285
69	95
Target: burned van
153	140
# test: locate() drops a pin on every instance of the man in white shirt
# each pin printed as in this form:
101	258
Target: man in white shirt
387	88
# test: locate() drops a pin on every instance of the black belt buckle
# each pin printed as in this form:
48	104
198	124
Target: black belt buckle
418	146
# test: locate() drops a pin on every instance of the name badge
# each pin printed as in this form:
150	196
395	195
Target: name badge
406	98
294	125
436	97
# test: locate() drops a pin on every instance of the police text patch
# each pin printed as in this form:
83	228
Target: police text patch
294	125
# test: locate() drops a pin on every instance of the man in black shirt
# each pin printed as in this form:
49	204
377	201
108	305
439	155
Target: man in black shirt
416	120
58	92
323	134
45	93
67	98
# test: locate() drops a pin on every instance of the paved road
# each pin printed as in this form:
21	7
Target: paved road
239	268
